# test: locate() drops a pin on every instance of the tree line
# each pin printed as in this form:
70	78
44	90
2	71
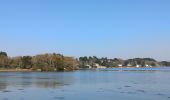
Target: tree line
41	62
59	62
116	62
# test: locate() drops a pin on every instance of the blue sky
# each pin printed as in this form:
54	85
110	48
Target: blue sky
104	28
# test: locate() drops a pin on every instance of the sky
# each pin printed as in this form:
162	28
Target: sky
103	28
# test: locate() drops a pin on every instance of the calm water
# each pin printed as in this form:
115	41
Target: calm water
110	84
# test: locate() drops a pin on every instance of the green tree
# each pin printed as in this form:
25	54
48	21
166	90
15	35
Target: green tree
4	61
26	62
3	54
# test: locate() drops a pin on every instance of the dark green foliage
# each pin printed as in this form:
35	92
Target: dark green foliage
165	63
4	61
26	62
149	59
142	62
3	54
91	61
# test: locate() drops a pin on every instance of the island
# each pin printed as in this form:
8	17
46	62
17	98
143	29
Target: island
59	62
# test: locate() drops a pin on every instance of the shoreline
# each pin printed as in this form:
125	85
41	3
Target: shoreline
16	70
31	70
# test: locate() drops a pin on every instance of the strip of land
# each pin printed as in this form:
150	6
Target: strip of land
16	70
59	62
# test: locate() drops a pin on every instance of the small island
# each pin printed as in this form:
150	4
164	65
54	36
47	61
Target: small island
59	62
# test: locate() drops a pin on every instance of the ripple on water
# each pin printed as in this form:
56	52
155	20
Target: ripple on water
127	86
141	91
5	99
5	91
135	83
100	90
163	95
62	90
59	98
122	92
20	89
131	92
22	98
119	88
52	91
160	94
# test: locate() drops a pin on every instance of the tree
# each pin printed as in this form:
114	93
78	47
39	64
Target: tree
165	63
41	62
70	63
83	60
4	61
58	61
26	62
3	54
48	62
15	62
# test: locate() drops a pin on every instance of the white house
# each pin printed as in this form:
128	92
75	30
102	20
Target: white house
120	65
148	65
88	66
98	66
129	65
138	66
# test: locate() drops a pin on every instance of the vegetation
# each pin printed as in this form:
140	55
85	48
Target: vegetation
85	62
42	62
58	62
165	63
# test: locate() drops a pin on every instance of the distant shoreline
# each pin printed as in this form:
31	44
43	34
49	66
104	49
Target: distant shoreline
16	70
31	70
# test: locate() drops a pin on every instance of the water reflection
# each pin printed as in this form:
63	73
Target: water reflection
83	85
3	86
39	80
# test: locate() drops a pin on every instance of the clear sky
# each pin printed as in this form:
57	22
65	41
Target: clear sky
104	28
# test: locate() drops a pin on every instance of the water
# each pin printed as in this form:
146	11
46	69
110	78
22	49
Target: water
107	84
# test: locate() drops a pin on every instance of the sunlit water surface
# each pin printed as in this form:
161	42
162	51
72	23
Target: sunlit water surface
101	84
